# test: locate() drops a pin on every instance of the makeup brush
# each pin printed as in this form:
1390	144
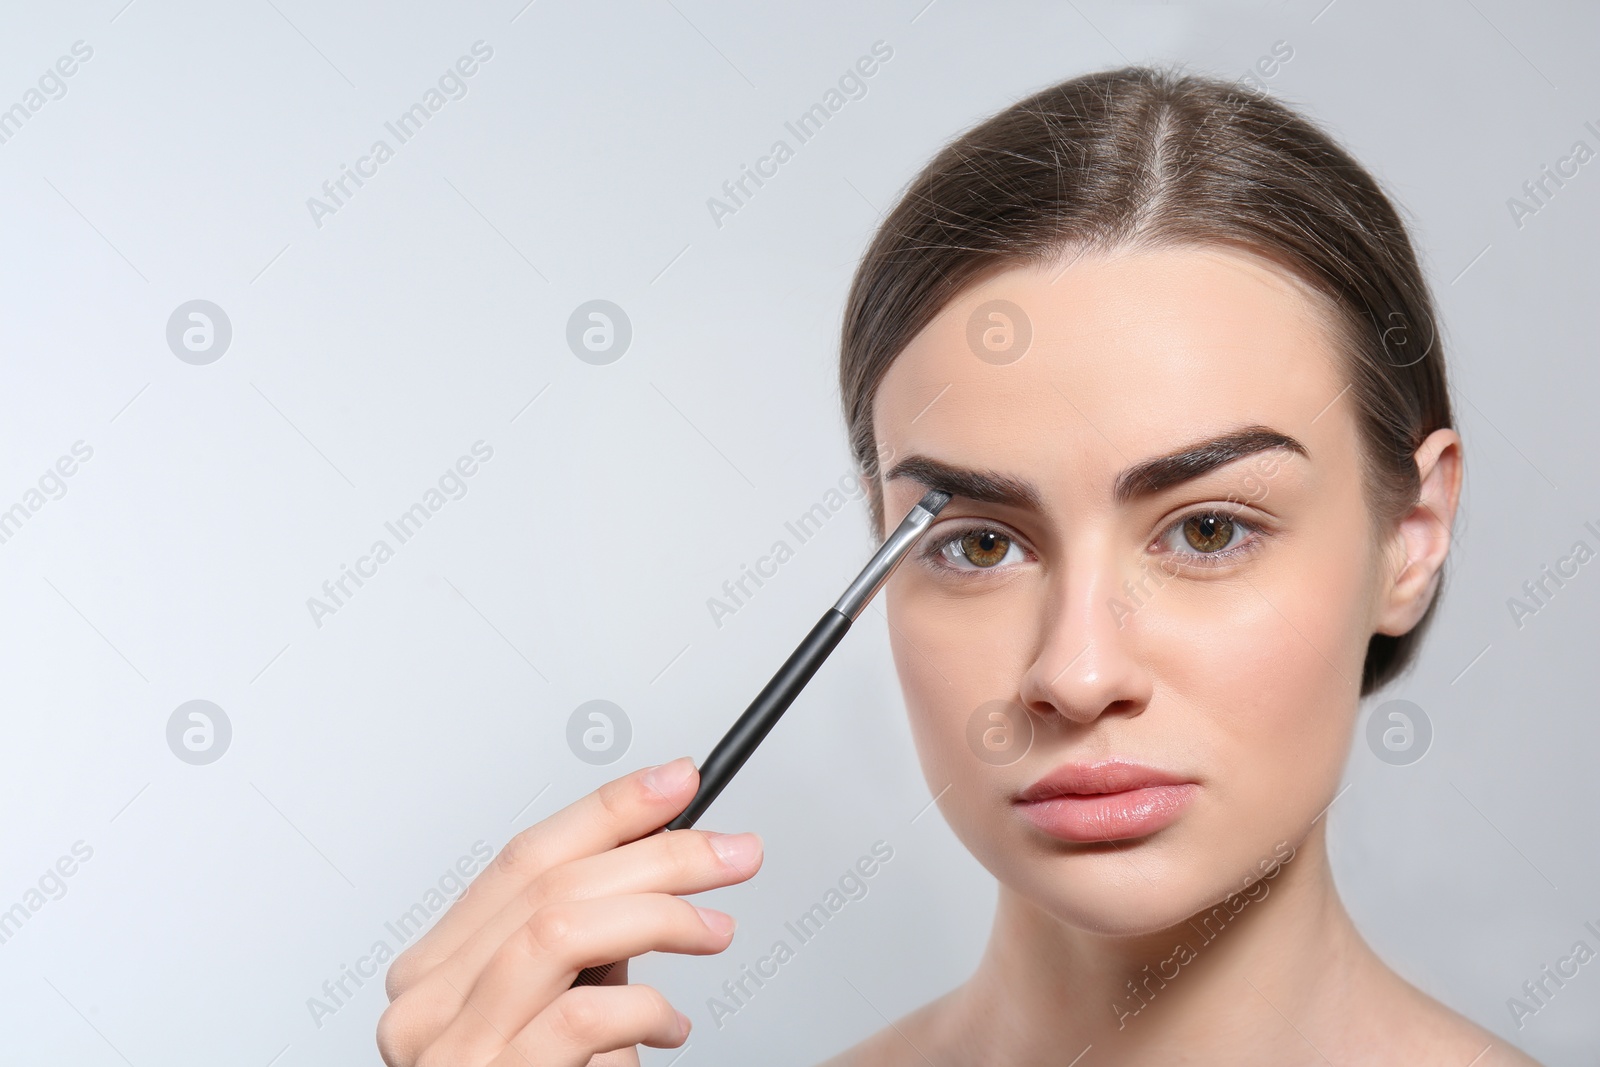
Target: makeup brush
762	715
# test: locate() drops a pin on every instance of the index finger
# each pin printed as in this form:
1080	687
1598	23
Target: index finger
619	811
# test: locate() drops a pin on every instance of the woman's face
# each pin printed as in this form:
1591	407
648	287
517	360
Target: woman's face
1206	619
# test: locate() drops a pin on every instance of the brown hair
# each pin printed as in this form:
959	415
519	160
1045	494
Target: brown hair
1140	158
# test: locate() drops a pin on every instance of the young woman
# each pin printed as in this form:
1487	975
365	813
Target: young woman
1169	348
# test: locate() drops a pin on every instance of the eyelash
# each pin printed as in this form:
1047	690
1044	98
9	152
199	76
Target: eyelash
933	554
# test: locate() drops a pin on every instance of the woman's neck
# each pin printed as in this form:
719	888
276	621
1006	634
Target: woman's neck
1272	974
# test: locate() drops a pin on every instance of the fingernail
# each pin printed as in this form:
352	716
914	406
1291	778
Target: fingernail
718	922
740	850
683	1024
669	777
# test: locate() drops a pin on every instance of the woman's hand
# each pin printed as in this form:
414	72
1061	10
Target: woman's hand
488	985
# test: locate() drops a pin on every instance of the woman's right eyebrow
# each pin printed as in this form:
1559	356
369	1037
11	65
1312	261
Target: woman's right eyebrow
1142	479
986	487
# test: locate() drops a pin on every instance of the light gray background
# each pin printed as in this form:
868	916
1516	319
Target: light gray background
370	753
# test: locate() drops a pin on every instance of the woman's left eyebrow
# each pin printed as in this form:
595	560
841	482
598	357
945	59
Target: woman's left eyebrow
1144	478
1191	461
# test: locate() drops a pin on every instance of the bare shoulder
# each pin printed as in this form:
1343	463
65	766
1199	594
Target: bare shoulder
1436	1034
906	1042
1403	1025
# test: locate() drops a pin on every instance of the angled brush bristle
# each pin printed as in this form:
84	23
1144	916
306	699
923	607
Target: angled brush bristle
933	501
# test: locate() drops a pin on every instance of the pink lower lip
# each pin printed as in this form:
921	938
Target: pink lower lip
1110	816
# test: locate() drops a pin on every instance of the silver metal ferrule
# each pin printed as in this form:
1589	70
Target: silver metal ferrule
889	555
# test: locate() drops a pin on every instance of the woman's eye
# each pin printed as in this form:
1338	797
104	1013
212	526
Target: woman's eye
1204	537
980	548
1207	533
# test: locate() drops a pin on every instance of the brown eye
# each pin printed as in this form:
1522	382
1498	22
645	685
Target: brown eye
984	548
977	548
1208	532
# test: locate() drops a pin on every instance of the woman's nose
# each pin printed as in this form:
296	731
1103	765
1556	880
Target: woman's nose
1088	660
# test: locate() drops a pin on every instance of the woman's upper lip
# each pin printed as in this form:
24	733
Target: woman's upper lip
1101	776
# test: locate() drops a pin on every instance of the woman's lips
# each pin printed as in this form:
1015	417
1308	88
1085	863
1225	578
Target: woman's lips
1105	801
1109	816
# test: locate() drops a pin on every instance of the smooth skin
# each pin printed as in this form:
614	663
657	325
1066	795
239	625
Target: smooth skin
488	985
1243	676
1239	672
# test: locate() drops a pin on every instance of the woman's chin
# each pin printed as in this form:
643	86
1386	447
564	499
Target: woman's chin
1116	909
1122	889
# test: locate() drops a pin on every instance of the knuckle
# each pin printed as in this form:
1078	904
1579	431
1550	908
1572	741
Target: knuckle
403	974
694	926
395	1035
660	1005
707	857
518	855
388	1039
619	797
558	883
551	930
579	1015
423	1010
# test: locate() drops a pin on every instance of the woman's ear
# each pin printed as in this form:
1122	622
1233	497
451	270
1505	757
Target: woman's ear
1421	539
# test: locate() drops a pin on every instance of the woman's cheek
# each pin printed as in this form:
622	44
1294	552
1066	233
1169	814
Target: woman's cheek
1266	683
1321	599
953	655
934	681
916	644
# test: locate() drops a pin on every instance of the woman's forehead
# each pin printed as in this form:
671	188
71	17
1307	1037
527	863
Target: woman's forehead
1133	349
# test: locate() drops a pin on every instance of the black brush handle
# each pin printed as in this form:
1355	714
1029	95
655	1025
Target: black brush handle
740	742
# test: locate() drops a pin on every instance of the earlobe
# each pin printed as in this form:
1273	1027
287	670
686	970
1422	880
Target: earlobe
1421	538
